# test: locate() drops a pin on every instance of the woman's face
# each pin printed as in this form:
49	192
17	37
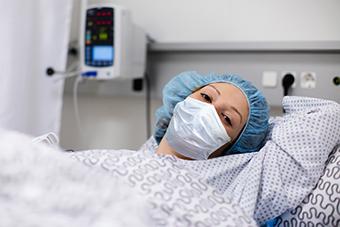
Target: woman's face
231	106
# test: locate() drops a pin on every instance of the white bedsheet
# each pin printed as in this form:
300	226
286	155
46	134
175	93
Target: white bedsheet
42	187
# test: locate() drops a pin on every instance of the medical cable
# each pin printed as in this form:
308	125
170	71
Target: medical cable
147	105
75	102
72	69
64	75
68	75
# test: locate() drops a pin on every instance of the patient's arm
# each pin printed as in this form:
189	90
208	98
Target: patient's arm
290	164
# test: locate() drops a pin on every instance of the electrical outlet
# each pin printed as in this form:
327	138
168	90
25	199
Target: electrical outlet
308	80
336	80
283	73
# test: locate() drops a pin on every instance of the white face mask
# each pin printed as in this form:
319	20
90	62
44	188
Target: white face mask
195	130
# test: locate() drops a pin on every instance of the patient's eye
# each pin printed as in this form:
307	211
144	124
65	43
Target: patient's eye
227	119
206	97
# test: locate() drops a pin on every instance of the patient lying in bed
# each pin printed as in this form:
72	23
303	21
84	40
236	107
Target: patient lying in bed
42	186
238	190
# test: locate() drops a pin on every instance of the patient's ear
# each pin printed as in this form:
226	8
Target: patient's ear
219	152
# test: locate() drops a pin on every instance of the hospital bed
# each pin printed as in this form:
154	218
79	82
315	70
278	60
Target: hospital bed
92	191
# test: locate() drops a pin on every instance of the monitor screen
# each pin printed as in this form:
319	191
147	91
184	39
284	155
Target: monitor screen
102	53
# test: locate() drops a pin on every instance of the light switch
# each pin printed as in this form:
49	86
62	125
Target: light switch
269	79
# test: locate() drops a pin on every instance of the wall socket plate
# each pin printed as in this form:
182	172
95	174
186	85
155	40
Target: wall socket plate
308	80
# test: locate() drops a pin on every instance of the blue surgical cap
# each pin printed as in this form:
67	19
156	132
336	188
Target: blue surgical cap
252	136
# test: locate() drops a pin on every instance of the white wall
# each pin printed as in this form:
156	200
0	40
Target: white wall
235	20
120	122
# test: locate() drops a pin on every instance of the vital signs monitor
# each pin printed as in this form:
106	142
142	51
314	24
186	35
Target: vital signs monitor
111	45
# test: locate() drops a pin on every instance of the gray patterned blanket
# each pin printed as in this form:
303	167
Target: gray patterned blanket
177	196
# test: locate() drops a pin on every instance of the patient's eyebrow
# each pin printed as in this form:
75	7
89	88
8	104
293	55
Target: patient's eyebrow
210	85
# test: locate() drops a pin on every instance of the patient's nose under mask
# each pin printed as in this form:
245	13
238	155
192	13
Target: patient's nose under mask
195	130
